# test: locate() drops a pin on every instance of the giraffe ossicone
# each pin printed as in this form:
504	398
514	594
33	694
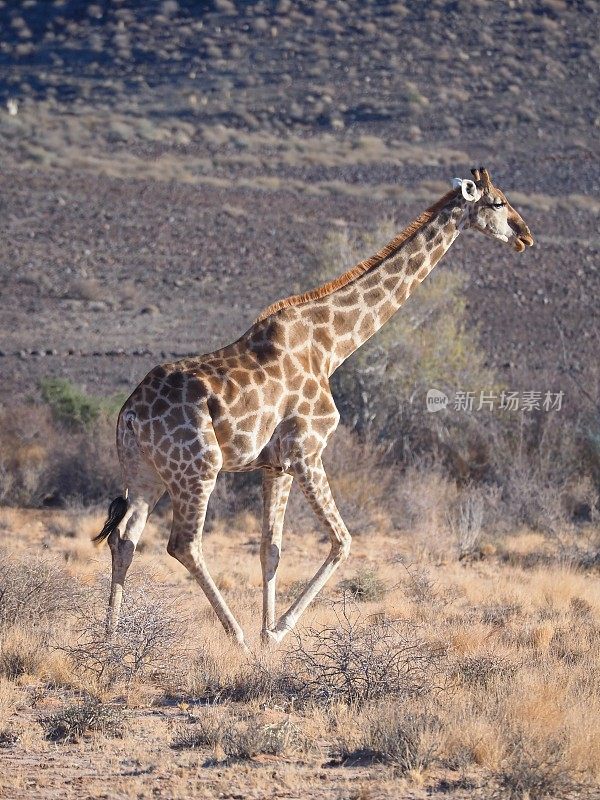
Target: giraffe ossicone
264	402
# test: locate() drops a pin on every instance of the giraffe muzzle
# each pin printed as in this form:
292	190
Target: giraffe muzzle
523	240
522	235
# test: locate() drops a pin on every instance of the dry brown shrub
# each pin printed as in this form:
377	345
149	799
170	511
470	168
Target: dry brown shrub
25	436
364	586
151	640
485	670
9	696
86	289
420	501
535	774
45	462
22	652
358	660
34	590
466	523
219	677
91	716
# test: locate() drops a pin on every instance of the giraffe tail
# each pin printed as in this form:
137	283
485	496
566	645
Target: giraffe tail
116	512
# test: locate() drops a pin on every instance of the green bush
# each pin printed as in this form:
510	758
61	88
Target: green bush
71	406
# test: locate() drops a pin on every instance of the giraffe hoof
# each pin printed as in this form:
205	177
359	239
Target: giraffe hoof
243	646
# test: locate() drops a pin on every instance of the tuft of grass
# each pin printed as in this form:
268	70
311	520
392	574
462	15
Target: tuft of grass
482	670
14	663
534	776
33	589
86	289
201	731
8	737
9	697
240	736
406	741
74	722
365	585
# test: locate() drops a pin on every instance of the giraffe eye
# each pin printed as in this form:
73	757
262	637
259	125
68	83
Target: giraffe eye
498	205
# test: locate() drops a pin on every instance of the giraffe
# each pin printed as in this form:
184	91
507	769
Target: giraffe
264	403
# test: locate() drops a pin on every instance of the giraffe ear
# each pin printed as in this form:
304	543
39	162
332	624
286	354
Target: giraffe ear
468	189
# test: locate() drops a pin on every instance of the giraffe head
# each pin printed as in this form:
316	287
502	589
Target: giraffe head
489	211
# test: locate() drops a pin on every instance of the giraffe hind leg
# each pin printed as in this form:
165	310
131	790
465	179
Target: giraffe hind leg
127	515
123	540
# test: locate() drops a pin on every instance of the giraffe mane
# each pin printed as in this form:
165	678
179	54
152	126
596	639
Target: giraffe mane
363	266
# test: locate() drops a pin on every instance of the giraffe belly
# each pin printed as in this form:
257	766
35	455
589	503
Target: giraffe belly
275	452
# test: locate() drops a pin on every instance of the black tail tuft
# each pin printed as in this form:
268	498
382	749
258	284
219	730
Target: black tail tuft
116	512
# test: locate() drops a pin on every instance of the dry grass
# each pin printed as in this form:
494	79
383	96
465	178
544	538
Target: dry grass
509	705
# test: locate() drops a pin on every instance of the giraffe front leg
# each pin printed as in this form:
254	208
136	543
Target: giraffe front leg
185	544
276	490
315	486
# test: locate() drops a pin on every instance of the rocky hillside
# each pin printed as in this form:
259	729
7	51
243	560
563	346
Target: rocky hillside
168	168
432	70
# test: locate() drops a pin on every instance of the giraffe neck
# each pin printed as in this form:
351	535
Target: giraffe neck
359	309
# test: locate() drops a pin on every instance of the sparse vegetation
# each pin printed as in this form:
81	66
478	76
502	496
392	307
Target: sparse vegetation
535	775
45	462
241	736
448	669
33	590
365	585
406	741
